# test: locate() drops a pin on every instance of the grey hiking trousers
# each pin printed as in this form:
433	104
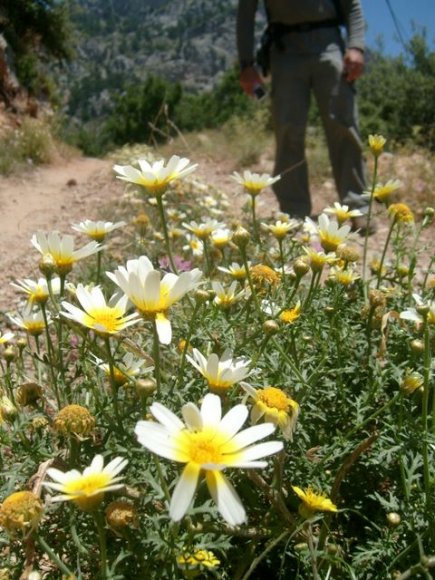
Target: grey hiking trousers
295	75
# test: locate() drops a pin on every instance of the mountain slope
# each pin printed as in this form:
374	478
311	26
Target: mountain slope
123	41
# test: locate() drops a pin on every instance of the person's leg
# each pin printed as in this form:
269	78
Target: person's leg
337	106
290	104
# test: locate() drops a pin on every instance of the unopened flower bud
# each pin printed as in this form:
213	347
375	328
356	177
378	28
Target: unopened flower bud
21	344
423	309
9	354
393	519
417	346
402	270
241	237
47	266
201	296
347	253
270	327
377	298
429	212
145	387
8	410
301	267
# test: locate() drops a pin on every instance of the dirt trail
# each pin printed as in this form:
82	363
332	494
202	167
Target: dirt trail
44	199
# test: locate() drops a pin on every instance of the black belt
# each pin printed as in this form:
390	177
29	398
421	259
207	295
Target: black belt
279	29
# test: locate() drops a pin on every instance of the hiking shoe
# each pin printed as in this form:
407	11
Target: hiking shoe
359	224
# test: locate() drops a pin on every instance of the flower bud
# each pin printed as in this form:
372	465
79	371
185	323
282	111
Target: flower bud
8	411
301	267
377	298
9	354
417	346
393	519
270	327
347	253
411	382
429	212
241	237
423	309
21	344
201	296
376	144
47	266
145	387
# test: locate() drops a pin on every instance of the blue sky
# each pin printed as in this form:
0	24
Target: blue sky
380	22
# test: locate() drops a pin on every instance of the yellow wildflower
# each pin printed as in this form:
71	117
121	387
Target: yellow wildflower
312	502
20	512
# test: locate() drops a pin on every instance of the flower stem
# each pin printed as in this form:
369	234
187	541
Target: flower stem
54	557
254	217
97	280
369	215
165	232
102	542
156	351
186	346
425	413
50	357
113	385
384	253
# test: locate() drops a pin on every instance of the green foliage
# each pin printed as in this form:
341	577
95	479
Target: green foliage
142	112
36	31
32	143
396	95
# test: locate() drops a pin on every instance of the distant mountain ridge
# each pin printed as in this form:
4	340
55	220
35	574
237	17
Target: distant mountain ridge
124	41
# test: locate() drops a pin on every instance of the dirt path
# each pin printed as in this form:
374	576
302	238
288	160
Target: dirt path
44	199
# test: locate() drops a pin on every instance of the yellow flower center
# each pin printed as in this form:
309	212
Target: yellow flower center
329	242
275	398
105	319
35	327
341	215
207	446
87	485
204	451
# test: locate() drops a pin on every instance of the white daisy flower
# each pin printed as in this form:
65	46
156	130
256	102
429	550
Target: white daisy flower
98	315
207	442
220	373
151	294
254	183
59	250
156	177
37	292
87	489
97	230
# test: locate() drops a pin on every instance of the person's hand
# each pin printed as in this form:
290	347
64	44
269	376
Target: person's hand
353	64
249	79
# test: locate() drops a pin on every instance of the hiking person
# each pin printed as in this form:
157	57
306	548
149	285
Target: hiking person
306	53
